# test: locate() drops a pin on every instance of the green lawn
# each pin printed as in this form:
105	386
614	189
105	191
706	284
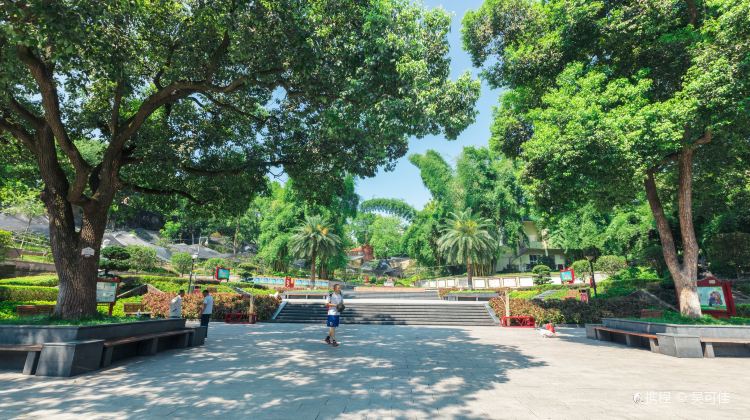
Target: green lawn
671	317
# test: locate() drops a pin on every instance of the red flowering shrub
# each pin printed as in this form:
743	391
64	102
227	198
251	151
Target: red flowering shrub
571	311
158	304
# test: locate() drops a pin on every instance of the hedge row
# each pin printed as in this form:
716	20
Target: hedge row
572	311
158	304
46	280
24	293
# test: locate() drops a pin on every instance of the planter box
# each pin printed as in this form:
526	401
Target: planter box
39	334
68	350
708	331
683	340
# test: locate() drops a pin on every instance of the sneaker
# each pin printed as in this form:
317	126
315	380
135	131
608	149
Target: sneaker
328	339
334	343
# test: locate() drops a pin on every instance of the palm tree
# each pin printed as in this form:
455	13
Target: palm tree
466	240
312	240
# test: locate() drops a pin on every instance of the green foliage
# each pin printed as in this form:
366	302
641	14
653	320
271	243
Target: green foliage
671	317
46	280
142	258
729	253
115	258
314	239
541	274
582	269
743	310
386	233
211	264
24	293
171	229
466	240
5	242
610	264
182	262
391	206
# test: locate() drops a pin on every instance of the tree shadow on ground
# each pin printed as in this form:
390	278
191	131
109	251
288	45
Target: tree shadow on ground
286	371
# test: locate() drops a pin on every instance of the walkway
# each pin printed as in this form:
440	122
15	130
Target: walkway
284	371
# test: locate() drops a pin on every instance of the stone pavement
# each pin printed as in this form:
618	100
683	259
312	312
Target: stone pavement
285	371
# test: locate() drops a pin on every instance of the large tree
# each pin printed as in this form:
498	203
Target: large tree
607	101
314	240
203	98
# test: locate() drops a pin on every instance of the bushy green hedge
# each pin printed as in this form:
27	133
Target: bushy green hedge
743	310
8	308
24	293
5	241
47	280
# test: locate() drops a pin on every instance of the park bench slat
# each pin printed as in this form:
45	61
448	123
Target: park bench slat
136	338
613	330
21	347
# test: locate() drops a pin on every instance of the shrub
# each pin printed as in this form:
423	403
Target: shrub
212	263
5	241
181	262
541	274
246	269
142	258
571	311
158	304
743	310
115	258
46	280
610	264
582	269
25	293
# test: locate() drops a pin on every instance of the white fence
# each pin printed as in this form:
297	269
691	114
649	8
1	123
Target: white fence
495	282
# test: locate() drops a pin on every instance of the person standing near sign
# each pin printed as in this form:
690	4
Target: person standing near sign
175	306
207	309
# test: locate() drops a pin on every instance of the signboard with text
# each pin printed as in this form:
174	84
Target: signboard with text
567	276
106	291
221	273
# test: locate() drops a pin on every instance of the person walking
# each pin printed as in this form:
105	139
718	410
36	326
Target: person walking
175	305
207	308
334	304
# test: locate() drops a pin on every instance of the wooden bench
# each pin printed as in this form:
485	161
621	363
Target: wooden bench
132	309
34	310
149	343
708	344
32	355
653	341
521	321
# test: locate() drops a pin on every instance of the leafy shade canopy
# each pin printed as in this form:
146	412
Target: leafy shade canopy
201	99
601	93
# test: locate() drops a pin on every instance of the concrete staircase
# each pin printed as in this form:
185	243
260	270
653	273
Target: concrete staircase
405	313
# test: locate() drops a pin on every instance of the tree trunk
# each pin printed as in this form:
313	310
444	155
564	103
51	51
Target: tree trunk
469	267
685	273
312	270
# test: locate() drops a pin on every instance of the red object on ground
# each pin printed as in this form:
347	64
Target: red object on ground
550	327
521	321
239	318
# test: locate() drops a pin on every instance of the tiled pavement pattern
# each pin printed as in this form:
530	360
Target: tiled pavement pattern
285	371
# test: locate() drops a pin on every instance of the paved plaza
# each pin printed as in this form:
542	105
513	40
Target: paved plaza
285	371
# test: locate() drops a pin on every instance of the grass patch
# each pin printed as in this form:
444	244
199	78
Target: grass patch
8	315
47	280
671	317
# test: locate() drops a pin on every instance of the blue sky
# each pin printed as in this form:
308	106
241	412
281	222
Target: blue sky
404	181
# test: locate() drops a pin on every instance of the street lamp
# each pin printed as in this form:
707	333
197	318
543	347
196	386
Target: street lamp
591	255
192	266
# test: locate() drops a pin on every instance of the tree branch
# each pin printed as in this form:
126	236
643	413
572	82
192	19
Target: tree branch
19	133
114	124
235	170
26	114
662	224
51	104
165	192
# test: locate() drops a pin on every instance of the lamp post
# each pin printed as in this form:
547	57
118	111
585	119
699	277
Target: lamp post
192	266
591	257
